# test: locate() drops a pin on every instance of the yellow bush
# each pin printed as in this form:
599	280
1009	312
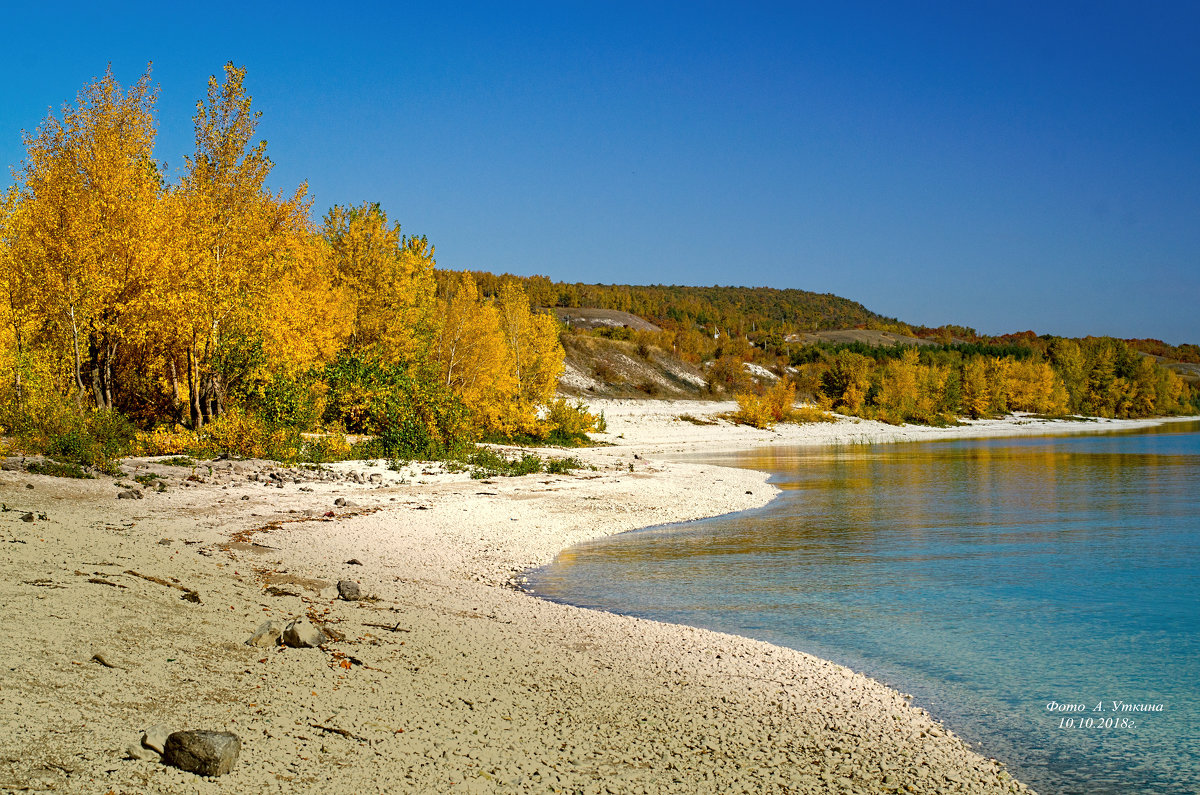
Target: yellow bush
811	414
238	433
166	441
774	405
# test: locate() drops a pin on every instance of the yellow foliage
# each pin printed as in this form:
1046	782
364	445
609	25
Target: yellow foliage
975	396
1034	386
388	280
473	358
308	319
176	440
90	191
534	356
772	406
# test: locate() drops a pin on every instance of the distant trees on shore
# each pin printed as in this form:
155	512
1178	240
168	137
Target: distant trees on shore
934	385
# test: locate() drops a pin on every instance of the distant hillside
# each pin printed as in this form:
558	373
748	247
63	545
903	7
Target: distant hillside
849	336
589	318
733	311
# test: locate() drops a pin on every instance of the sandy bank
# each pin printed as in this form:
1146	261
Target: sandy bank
448	680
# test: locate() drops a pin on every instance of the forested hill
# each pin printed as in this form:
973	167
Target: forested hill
734	310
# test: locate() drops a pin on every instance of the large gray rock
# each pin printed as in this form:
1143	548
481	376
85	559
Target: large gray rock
205	753
302	634
349	590
267	634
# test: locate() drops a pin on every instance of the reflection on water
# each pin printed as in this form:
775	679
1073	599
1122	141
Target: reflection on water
986	577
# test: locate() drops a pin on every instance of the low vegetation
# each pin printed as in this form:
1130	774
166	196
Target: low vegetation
487	463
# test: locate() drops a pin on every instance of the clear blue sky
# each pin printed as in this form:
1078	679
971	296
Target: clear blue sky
1005	165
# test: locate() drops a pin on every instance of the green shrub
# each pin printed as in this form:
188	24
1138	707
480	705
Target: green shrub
59	469
410	414
563	466
93	439
178	461
487	463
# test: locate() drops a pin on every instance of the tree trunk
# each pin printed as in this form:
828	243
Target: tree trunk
194	390
78	371
177	405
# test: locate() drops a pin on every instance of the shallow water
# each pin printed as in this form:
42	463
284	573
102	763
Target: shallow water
989	578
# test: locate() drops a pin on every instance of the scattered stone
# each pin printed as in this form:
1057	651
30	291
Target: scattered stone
135	751
354	562
342	502
165	542
268	634
27	517
376	478
29	485
349	590
155	738
129	494
301	634
205	753
245	496
103	660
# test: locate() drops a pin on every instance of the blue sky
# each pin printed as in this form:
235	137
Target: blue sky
1000	165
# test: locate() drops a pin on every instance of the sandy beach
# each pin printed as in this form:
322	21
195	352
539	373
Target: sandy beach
125	613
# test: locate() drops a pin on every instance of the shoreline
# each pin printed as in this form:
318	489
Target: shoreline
449	680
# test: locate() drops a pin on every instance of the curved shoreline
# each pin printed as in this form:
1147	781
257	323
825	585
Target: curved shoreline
448	681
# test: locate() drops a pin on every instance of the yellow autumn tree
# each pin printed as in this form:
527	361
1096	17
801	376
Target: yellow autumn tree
388	280
897	399
535	356
235	244
308	317
91	187
16	308
847	380
976	397
472	356
1034	386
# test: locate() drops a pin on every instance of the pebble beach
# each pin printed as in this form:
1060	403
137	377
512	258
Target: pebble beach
436	672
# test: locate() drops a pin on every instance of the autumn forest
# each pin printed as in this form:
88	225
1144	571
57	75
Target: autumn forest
211	314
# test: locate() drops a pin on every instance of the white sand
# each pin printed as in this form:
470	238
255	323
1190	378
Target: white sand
465	685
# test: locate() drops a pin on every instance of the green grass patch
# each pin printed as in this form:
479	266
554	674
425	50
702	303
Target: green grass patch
60	469
487	463
178	461
563	466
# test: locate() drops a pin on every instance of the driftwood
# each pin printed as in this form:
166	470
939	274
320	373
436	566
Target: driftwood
188	594
339	732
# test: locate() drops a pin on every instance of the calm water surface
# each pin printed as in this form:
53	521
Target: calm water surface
986	577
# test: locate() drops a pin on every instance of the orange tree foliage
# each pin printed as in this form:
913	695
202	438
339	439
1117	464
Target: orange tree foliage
215	296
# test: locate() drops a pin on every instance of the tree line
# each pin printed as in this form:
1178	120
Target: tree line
1095	376
211	304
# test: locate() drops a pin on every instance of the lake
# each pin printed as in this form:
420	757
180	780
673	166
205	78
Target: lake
996	580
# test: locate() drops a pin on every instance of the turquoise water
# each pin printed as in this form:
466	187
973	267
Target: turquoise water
989	578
